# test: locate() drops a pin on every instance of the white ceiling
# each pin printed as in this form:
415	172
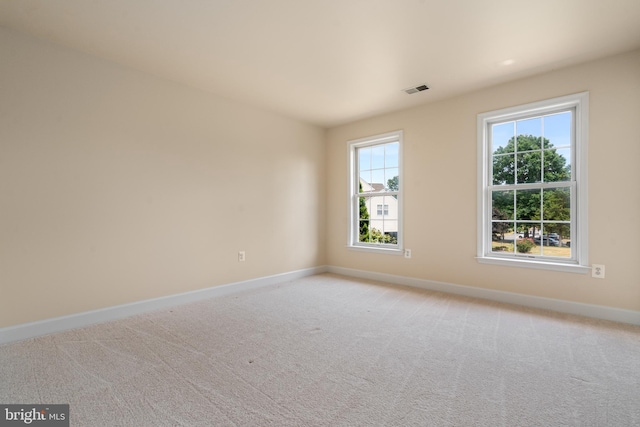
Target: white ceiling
333	61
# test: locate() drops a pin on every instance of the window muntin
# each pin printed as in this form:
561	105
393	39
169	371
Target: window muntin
375	192
533	197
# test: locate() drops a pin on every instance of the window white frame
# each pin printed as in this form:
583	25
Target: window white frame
354	194
578	263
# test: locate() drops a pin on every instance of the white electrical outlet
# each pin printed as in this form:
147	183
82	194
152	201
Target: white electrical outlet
407	253
241	256
597	270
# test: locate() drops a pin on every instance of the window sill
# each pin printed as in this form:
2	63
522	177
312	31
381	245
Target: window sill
539	265
372	249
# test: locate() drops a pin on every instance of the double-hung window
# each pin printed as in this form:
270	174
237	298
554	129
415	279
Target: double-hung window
375	196
532	185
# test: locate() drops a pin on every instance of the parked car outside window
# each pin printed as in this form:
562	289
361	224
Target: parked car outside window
548	240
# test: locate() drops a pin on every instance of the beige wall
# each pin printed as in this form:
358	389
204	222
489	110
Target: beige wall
440	187
116	186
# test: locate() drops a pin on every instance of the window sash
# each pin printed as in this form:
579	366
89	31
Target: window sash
572	223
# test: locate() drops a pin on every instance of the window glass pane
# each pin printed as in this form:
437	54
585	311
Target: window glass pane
500	136
502	205
391	179
552	242
364	158
377	179
525	230
557	165
529	130
365	182
556	204
528	205
391	153
388	226
557	129
559	231
502	247
377	157
526	236
388	233
527	143
529	167
502	236
555	251
503	169
390	210
554	247
564	236
365	208
364	236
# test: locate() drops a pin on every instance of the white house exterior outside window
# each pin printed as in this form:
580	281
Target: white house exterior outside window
375	193
532	185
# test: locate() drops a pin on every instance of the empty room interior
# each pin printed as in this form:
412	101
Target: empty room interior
320	213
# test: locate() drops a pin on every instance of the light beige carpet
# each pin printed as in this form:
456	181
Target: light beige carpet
331	351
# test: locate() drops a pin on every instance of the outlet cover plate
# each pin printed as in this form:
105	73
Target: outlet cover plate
597	271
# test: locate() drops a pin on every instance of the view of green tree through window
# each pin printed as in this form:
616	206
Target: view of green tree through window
531	188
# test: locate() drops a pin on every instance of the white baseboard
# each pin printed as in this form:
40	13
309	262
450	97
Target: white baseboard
587	310
79	320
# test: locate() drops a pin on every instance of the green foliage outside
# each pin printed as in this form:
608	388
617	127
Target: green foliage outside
529	163
376	236
500	228
364	218
393	184
535	159
525	245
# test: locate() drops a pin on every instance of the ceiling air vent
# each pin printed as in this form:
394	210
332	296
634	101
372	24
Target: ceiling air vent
416	89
